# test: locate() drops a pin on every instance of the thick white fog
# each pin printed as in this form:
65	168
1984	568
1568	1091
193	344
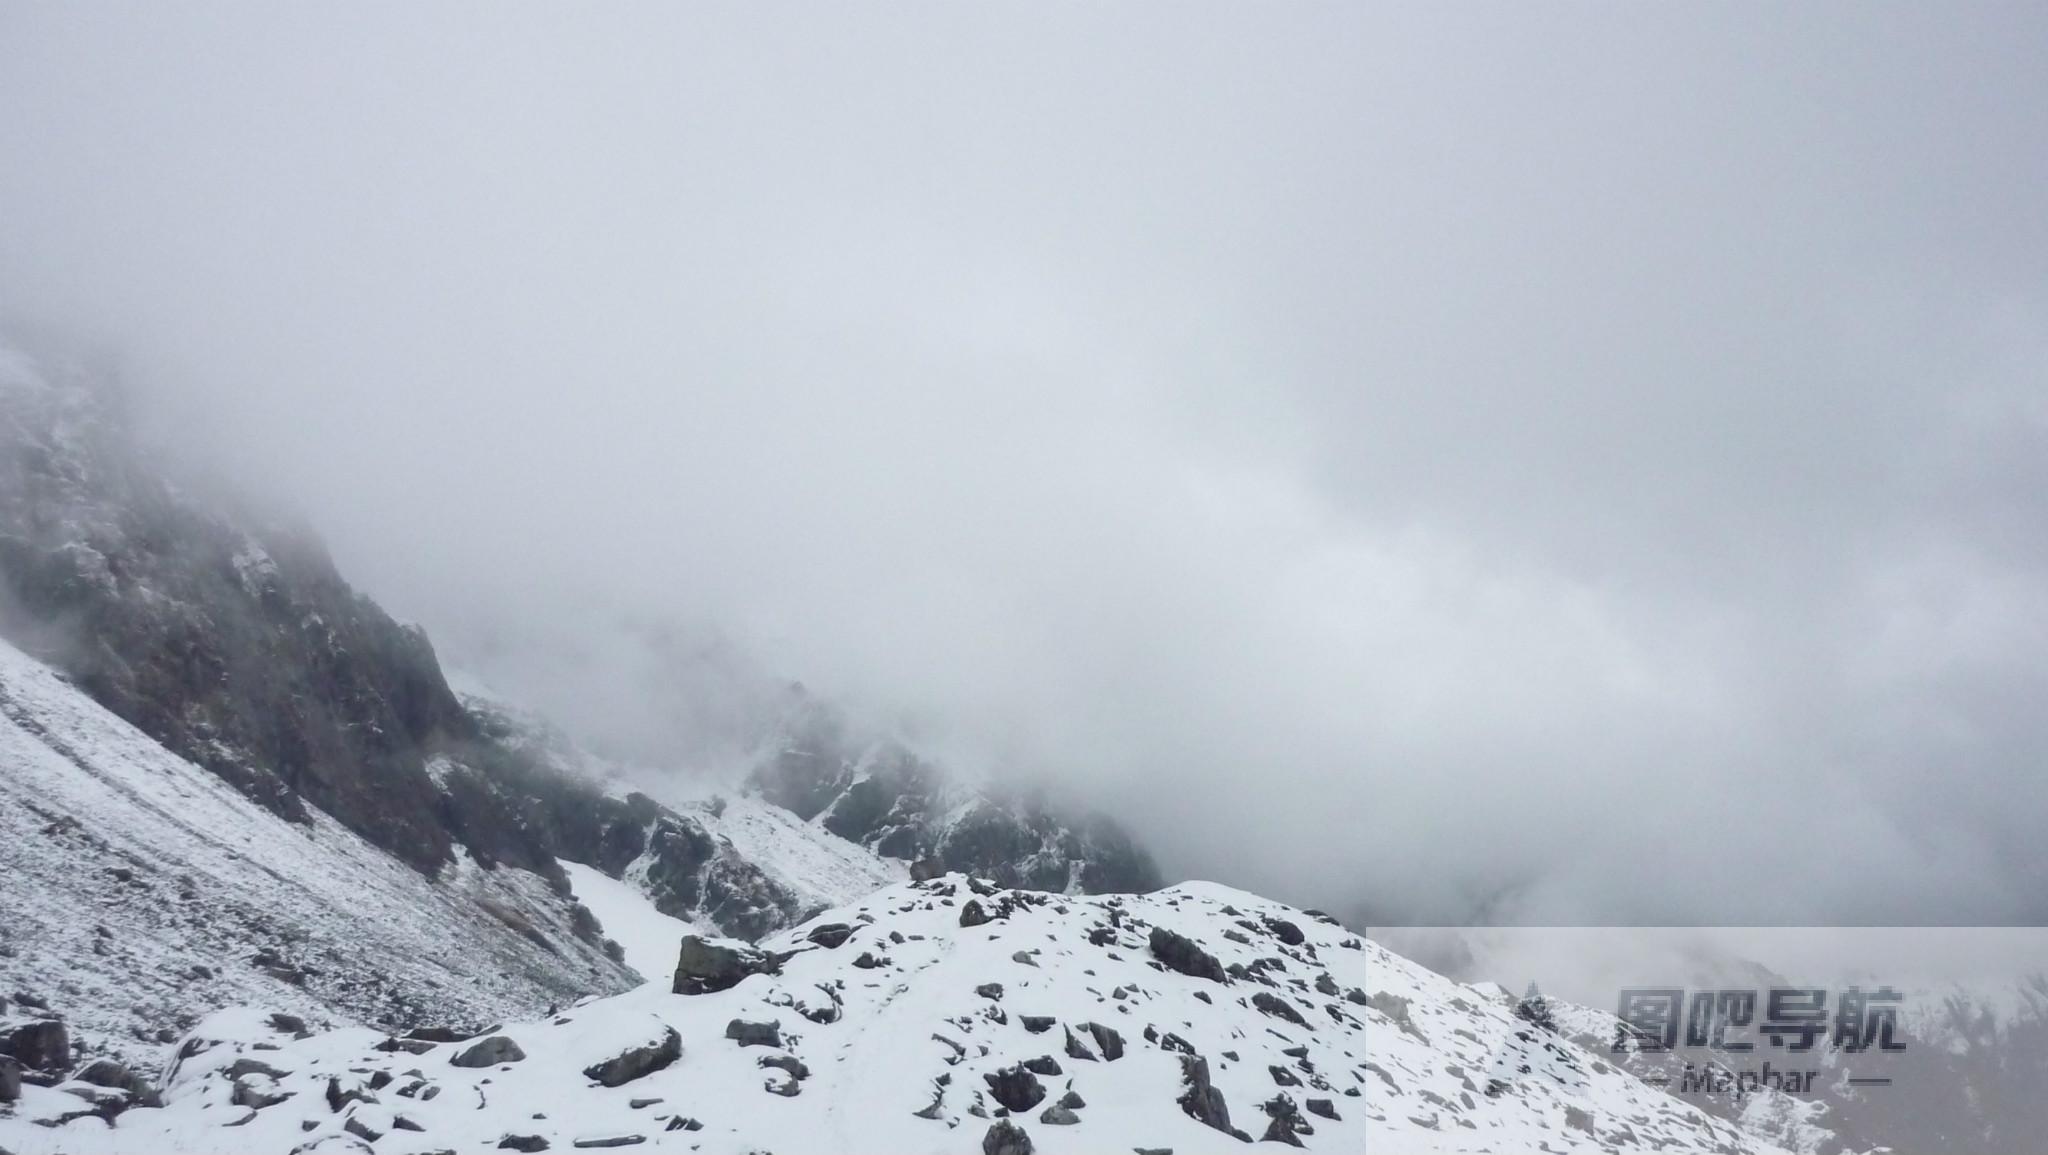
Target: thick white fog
1514	463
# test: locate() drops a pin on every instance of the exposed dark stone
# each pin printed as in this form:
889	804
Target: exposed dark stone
522	1143
1072	1100
972	914
1323	1107
703	966
43	1045
361	1130
831	936
788	1063
1058	1116
1076	1049
10	1079
1037	1024
1279	1008
1107	1040
1285	931
1284	1122
1180	954
110	1074
489	1053
1284	1077
1044	1065
611	1141
1015	1087
1005	1138
747	1034
990	990
439	1034
1200	1098
637	1061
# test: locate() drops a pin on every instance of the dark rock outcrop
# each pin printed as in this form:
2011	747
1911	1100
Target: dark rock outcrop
703	966
1200	1098
43	1045
747	1034
639	1061
1005	1138
1179	953
489	1052
1015	1088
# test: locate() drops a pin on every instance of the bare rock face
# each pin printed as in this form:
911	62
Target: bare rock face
703	966
748	1034
1015	1088
489	1052
1005	1138
43	1045
1200	1098
638	1062
1180	954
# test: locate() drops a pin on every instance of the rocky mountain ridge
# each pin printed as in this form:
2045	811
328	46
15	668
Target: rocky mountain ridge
937	1016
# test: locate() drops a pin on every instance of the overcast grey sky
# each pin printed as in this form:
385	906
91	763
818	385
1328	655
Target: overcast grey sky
1518	461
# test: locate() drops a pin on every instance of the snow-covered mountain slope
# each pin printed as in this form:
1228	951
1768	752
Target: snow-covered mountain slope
872	789
942	1016
142	892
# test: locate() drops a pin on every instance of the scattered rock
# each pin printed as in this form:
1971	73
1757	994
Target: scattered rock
972	914
1058	1116
747	1034
1016	1088
611	1141
1107	1040
10	1079
1328	1110
1006	1138
1076	1049
703	966
522	1143
1279	1008
1044	1065
831	936
1200	1098
1285	931
1037	1024
1180	954
638	1061
43	1045
108	1073
489	1052
1285	1122
990	990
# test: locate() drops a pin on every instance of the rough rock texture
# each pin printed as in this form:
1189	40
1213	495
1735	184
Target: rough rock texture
703	966
639	1061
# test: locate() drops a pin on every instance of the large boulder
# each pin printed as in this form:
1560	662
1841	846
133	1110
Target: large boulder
489	1053
1200	1098
10	1079
1015	1087
43	1045
638	1062
1005	1138
703	966
110	1074
1179	953
746	1034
